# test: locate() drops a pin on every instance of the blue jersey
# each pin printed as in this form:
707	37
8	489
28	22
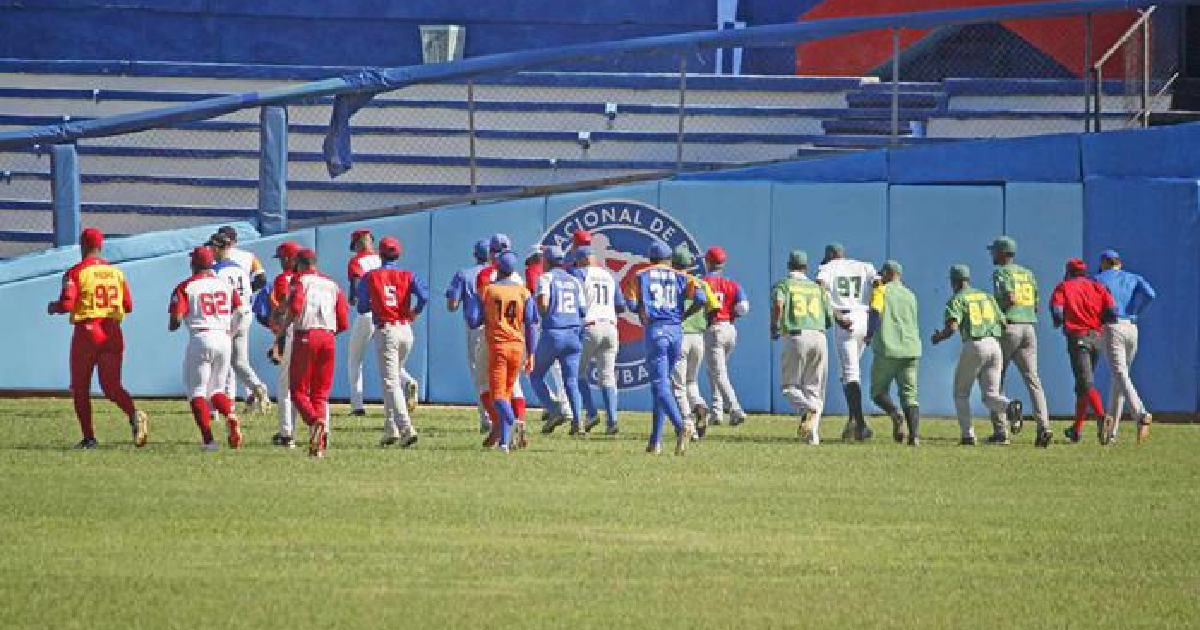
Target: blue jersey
567	302
663	294
462	290
1130	291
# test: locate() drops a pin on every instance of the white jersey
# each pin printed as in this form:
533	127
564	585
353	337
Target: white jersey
601	290
848	282
319	300
247	261
206	303
238	278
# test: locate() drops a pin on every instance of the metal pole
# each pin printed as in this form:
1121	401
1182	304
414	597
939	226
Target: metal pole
471	134
64	193
272	169
1146	72
1099	92
682	113
895	84
1087	73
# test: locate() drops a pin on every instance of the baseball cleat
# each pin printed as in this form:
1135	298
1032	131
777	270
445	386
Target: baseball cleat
87	444
997	439
503	448
967	441
736	417
316	439
700	412
1143	431
613	430
235	432
140	426
388	440
848	432
654	449
522	436
1043	439
1016	419
1107	428
210	447
685	436
591	424
552	422
914	441
577	429
897	427
864	433
1072	435
411	394
804	431
358	412
714	419
285	441
408	439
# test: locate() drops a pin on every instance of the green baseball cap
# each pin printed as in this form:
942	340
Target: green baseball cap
681	258
960	272
893	266
834	249
797	259
1003	245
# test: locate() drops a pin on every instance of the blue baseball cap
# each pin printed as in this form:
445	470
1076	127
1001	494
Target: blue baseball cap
1110	254
554	254
583	251
658	250
506	263
481	249
499	243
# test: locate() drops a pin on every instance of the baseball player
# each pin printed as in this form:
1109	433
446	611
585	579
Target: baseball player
238	277
800	315
97	297
978	319
562	305
396	298
210	307
317	310
684	376
509	317
461	293
281	349
1081	306
555	410
497	245
246	260
849	285
1015	290
1131	295
601	341
894	335
720	338
664	298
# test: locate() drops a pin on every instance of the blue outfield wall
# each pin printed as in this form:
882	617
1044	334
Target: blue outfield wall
951	217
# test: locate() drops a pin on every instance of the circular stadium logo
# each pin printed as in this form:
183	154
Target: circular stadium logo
622	231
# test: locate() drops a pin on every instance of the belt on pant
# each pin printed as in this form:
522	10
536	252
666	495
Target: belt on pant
386	324
600	321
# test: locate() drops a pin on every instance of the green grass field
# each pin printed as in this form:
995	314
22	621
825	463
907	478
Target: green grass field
750	530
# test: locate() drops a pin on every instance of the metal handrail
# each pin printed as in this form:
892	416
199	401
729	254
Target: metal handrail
1141	24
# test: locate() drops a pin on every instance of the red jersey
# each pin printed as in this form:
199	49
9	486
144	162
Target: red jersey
361	263
93	289
1082	301
279	296
727	293
205	302
532	273
318	302
391	295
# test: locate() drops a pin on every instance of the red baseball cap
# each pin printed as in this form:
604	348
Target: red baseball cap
306	255
91	238
287	249
203	257
715	255
581	237
357	234
1076	265
389	247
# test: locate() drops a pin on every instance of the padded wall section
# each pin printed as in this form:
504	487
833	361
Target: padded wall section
932	228
453	233
1047	222
1156	152
808	217
737	217
333	247
1053	158
1155	225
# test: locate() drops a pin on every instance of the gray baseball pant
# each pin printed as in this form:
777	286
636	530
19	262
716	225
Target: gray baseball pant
979	361
1120	346
684	383
1019	346
392	345
805	356
720	340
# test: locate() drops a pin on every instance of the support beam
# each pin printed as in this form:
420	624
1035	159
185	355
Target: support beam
64	177
272	170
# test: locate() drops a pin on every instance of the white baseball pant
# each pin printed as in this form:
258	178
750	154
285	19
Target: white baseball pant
804	369
684	376
720	340
392	345
1120	347
361	332
283	408
240	358
601	342
478	370
980	360
850	345
206	363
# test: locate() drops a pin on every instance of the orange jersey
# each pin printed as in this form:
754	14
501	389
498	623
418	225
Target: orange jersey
507	308
94	289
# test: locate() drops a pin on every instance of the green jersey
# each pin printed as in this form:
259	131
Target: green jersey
899	333
976	312
1015	289
803	305
698	322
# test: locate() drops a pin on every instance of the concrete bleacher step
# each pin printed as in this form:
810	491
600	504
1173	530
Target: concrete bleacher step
909	100
865	127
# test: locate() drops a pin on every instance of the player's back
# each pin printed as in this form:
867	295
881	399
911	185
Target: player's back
318	298
848	281
464	290
101	291
726	292
663	293
504	305
236	277
246	260
564	299
361	263
390	289
600	287
205	302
